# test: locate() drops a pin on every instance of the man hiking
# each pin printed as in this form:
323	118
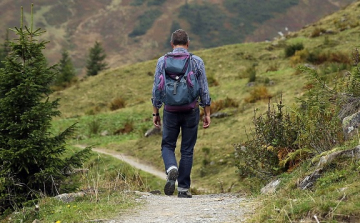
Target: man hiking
180	84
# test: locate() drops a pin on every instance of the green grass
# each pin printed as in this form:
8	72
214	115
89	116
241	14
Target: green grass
108	185
225	64
214	170
334	198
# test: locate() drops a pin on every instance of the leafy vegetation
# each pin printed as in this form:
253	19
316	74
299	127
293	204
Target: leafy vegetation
95	62
66	74
58	14
291	50
145	21
32	162
105	184
4	50
258	11
149	2
214	27
303	125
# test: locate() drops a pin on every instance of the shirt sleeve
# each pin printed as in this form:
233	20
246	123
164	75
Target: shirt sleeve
205	99
156	100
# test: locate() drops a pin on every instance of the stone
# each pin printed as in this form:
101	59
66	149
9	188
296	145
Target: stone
153	131
219	115
104	133
69	197
324	160
350	125
271	187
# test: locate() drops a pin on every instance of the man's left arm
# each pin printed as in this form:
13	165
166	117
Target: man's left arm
205	100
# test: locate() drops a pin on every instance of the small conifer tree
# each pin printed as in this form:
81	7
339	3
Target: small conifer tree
95	62
32	161
66	70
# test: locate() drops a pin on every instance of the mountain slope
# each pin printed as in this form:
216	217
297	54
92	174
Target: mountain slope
139	30
227	66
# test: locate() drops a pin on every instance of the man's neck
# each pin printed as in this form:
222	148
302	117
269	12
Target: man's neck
180	46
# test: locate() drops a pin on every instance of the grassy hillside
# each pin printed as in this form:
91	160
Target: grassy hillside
138	30
88	101
95	104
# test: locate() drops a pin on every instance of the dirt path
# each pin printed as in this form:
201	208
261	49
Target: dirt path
132	161
199	209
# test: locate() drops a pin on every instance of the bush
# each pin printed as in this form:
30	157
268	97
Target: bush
273	138
94	127
299	57
281	141
320	57
145	21
317	32
127	128
155	2
222	104
212	81
272	67
251	72
116	104
291	49
257	94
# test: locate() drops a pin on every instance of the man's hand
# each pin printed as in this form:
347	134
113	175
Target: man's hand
157	121
206	118
206	121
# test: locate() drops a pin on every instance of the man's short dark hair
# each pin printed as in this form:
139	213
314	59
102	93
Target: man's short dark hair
179	37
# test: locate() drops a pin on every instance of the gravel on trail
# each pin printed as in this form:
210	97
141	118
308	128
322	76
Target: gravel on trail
219	208
200	208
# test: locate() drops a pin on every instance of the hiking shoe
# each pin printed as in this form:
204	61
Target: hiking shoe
184	194
170	183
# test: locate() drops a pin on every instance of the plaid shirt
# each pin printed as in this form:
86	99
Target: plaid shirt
199	70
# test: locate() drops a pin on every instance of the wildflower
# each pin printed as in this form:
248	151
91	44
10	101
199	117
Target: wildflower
58	221
69	206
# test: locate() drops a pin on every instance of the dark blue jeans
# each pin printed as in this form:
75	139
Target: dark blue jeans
173	122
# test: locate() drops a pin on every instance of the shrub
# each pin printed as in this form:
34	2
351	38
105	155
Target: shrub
251	72
273	138
212	81
155	2
257	94
281	141
317	32
299	57
137	2
93	111
291	49
127	128
320	57
94	127
272	67
222	104
116	104
145	21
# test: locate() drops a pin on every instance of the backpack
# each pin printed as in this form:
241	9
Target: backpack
180	84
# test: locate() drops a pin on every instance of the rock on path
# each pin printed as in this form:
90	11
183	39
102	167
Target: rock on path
201	208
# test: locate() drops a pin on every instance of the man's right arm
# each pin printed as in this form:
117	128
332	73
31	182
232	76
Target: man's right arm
156	101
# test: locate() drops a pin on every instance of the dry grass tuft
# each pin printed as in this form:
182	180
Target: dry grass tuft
257	94
116	104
